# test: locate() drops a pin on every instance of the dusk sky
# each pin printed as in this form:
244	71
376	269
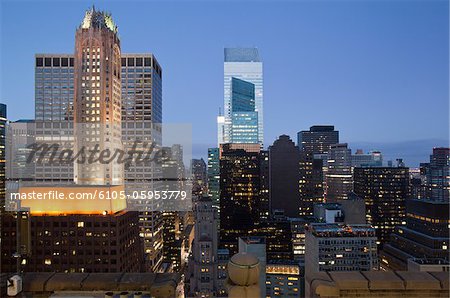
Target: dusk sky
377	70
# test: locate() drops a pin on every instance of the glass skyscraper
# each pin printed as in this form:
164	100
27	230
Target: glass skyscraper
243	97
244	119
54	112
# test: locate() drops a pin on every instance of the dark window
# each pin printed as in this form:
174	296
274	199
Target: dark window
138	61
130	61
64	61
39	62
124	62
71	62
56	62
147	61
48	61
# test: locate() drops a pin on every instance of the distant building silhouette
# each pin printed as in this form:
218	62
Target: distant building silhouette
284	173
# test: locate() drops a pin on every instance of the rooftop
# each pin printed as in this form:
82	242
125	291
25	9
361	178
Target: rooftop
378	283
340	230
50	284
322	128
98	19
429	261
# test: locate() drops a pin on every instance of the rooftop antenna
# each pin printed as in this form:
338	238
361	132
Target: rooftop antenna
220	111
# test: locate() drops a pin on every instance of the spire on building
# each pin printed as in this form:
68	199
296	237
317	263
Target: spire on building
98	19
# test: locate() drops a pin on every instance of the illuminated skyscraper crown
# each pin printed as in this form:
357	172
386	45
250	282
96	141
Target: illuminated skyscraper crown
98	19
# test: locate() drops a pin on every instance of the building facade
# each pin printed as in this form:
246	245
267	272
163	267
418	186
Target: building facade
339	180
311	182
284	173
371	159
337	247
3	141
85	243
199	175
437	175
239	194
54	114
244	118
21	134
214	176
385	191
206	273
141	112
97	98
425	236
314	145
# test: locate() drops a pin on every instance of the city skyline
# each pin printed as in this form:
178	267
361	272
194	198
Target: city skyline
100	186
400	72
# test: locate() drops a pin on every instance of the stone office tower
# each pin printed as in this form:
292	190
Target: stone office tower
110	89
97	97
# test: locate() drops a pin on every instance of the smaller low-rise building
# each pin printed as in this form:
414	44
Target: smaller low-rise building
338	247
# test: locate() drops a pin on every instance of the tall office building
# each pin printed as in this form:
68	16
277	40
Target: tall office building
284	279
314	145
198	168
239	194
298	236
172	169
214	175
3	141
206	275
284	172
54	114
264	185
220	129
141	77
3	130
242	121
21	134
97	97
317	139
350	211
424	238
125	89
311	182
371	159
244	118
385	191
278	234
437	175
339	175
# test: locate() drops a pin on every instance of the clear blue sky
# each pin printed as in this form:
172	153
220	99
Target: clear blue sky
377	70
